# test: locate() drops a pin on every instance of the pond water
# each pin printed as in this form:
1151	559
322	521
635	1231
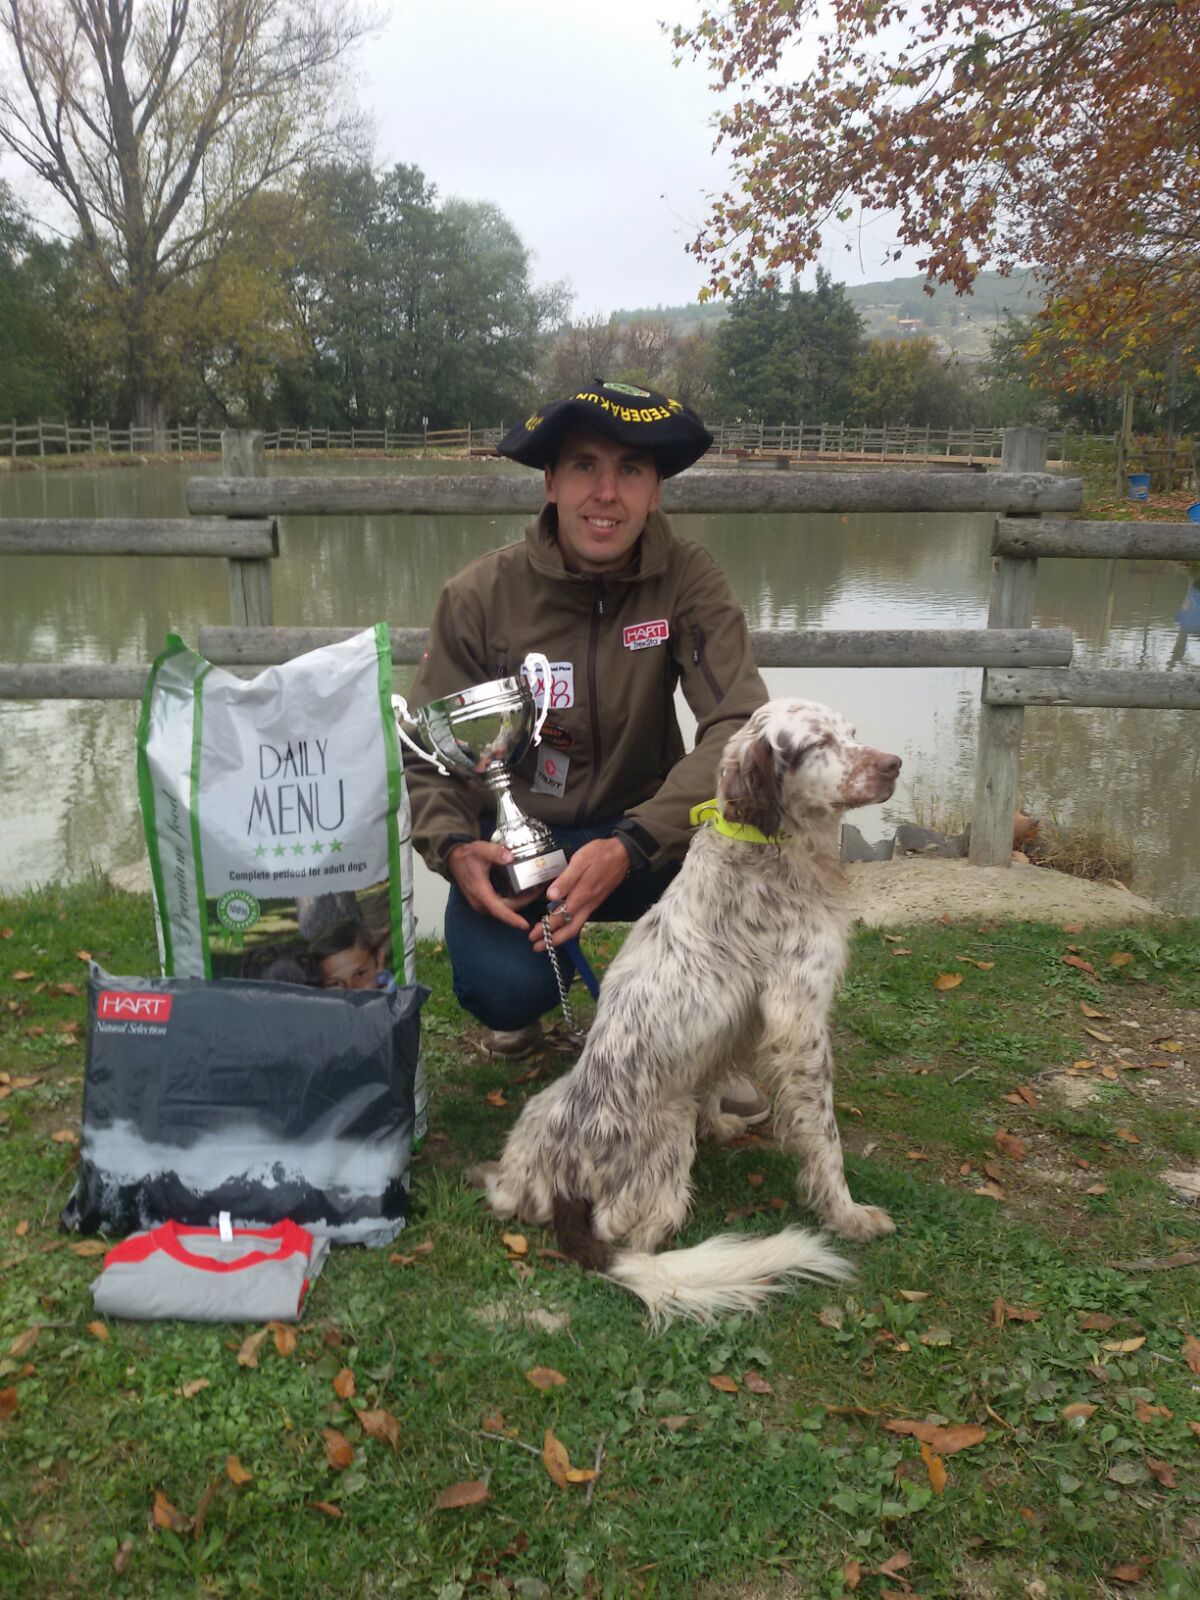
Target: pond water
68	799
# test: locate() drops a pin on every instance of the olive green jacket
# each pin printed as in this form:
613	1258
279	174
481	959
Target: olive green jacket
619	645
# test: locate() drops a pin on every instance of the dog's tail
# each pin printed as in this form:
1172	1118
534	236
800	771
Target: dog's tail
732	1272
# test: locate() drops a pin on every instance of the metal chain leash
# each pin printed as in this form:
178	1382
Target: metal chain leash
573	1028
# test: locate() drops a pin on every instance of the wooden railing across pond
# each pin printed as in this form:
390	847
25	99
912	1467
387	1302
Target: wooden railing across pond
235	518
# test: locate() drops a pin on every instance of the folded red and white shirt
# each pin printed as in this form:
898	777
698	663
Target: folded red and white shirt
223	1274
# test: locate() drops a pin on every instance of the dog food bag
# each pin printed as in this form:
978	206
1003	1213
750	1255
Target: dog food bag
277	819
266	1100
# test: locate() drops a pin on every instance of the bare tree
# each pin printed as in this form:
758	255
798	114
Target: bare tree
158	122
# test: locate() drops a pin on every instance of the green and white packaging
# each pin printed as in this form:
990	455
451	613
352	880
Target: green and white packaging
277	819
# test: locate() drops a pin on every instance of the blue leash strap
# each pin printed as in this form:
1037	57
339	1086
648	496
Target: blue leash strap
582	966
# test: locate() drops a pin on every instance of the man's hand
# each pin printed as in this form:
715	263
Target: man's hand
470	866
587	880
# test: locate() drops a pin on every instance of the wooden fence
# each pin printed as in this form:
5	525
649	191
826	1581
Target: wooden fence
235	519
837	441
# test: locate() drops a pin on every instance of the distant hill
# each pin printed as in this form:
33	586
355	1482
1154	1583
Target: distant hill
961	324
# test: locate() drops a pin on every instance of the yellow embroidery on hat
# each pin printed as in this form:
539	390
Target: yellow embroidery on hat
535	421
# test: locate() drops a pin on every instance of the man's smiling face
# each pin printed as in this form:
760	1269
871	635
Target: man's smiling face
604	492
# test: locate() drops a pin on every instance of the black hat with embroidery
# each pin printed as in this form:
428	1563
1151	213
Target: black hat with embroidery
667	429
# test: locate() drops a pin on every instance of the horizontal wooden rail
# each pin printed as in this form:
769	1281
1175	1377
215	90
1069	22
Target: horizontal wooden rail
694	492
804	647
118	536
1150	691
1108	541
252	648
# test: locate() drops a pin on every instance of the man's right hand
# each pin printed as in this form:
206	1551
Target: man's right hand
470	865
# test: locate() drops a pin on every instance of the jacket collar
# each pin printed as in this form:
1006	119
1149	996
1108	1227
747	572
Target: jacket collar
546	557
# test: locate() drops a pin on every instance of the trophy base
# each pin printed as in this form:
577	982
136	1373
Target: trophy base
518	876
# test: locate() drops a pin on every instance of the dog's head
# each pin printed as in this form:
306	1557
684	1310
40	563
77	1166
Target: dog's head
795	758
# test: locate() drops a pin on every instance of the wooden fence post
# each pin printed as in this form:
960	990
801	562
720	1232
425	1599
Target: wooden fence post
998	753
250	605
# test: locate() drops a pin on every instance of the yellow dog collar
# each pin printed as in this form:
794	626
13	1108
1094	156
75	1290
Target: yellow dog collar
710	812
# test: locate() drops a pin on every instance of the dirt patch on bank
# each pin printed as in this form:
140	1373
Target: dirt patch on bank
889	894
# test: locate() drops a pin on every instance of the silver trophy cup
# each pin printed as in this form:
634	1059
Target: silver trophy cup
481	733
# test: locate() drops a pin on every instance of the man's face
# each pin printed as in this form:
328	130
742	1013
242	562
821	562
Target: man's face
604	492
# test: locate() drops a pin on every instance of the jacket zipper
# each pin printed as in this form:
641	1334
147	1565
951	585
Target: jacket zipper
699	659
593	702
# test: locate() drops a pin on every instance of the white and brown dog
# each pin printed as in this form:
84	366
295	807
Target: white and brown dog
734	970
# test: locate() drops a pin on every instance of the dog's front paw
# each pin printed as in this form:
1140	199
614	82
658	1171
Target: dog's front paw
861	1222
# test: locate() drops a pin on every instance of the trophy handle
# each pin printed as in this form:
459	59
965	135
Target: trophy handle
535	666
402	715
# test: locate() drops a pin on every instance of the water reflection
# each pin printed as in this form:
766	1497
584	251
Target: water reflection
67	793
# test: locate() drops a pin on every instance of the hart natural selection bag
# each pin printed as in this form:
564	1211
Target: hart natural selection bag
266	1100
277	819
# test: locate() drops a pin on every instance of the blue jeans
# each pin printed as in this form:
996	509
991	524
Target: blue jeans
498	976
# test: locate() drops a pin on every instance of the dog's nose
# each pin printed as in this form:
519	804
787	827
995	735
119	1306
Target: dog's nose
889	766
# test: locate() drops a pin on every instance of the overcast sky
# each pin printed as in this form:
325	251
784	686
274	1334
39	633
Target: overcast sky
572	119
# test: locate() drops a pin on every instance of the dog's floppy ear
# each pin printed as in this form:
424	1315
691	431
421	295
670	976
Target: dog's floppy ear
748	784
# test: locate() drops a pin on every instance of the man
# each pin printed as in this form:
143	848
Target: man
625	612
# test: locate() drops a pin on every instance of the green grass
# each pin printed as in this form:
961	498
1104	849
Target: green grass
700	1491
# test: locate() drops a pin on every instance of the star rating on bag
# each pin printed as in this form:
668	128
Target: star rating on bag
316	847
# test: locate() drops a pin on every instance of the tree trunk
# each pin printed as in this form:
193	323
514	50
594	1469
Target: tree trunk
149	413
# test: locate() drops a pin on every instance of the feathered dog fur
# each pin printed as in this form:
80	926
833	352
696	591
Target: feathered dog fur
734	970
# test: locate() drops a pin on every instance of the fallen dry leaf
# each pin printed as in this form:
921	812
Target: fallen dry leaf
726	1384
120	1561
545	1378
756	1383
99	1330
236	1472
989	1191
1120	958
193	1387
1104	1038
1097	1322
1096	1188
89	1247
1191	1353
755	1179
555	1459
1009	1145
1128	1135
1080	963
65	1136
1195	1427
284	1336
496	1097
166	1516
935	1467
516	1242
582	1474
471	1493
915	1155
894	1564
1131	1571
1145	1412
852	1574
83	955
23	976
947	980
1072	927
248	1349
1028	1094
68	988
1093	1011
339	1452
946	1441
1080	1408
383	1425
913	1296
10	1403
24	1342
327	1508
344	1385
493	1422
1124	1347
